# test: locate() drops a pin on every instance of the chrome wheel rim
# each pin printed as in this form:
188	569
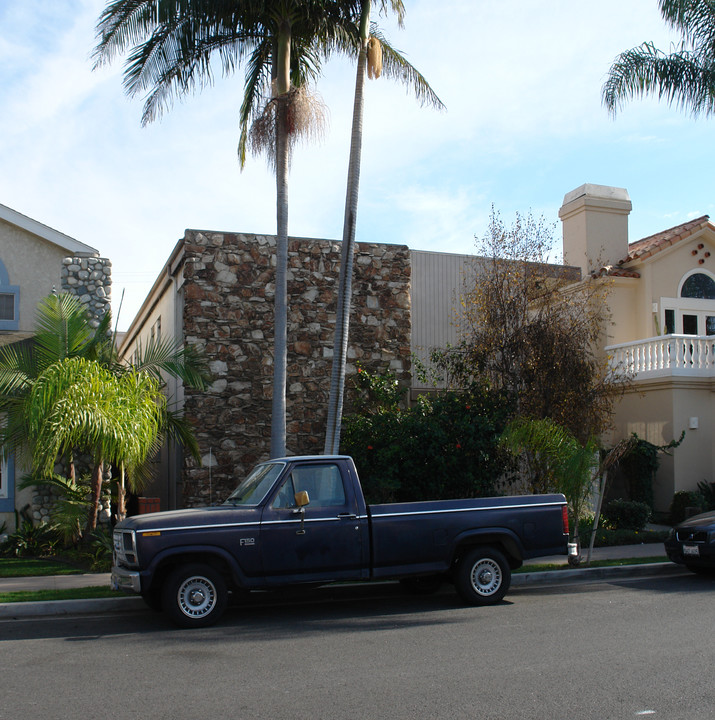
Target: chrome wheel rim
486	577
196	597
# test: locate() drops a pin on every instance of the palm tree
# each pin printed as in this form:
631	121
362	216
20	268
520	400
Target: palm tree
62	333
685	76
375	53
79	404
281	43
556	461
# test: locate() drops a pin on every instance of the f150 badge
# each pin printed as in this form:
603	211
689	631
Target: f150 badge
247	542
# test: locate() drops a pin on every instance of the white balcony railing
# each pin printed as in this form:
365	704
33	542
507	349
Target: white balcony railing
665	356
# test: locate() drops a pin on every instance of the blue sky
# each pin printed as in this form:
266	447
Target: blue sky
524	125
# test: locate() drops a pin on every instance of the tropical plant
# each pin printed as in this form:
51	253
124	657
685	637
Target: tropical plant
375	56
70	512
31	371
77	403
555	461
29	539
685	76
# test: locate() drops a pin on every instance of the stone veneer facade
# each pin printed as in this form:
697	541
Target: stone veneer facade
228	297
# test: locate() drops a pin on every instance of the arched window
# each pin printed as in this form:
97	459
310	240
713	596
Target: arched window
699	286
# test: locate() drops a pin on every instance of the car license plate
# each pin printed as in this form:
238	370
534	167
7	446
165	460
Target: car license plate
691	550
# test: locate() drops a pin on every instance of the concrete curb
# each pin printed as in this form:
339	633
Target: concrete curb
48	608
132	603
586	575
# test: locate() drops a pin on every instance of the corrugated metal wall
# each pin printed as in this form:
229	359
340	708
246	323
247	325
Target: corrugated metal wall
438	282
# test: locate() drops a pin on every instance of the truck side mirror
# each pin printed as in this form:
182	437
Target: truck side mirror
302	498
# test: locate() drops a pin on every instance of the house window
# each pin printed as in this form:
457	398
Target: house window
7	306
692	312
700	286
9	301
669	321
7	484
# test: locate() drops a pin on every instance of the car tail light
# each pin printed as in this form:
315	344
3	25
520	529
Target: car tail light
565	516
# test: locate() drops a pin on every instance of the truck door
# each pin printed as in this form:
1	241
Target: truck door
323	543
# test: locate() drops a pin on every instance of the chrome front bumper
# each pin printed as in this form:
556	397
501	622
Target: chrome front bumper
126	580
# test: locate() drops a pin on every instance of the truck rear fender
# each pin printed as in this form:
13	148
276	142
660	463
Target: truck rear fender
502	538
164	562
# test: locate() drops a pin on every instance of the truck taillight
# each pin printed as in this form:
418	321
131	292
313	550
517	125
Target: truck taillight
565	516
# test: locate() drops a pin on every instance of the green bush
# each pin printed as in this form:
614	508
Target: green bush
29	540
445	446
626	515
707	495
682	500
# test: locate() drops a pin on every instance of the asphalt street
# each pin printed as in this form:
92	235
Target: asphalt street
617	648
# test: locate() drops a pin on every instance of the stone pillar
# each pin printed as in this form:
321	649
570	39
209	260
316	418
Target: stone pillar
90	279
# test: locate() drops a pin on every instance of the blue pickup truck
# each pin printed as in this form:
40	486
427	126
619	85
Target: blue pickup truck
305	520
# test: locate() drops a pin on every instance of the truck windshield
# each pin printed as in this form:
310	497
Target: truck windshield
254	488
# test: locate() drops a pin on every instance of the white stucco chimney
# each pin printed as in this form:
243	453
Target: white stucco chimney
595	226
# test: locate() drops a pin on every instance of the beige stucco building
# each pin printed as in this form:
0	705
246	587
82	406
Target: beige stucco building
662	304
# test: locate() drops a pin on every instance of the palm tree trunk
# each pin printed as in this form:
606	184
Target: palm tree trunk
342	319
96	484
280	352
121	495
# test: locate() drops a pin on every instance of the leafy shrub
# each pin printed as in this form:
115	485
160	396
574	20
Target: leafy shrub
445	446
707	494
29	539
626	514
682	500
640	465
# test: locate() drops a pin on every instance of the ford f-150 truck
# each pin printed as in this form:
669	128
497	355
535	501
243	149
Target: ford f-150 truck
305	520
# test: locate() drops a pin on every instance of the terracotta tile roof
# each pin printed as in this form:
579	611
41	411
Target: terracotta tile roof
642	249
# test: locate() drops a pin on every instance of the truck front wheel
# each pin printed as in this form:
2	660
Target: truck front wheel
194	596
482	576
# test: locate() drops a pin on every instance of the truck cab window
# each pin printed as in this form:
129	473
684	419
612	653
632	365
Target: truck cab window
323	483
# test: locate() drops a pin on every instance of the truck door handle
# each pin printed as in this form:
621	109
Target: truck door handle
347	516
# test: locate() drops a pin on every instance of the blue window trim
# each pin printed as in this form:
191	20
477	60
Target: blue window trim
8	504
14	290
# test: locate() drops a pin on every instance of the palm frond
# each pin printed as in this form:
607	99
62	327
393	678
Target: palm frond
396	66
684	77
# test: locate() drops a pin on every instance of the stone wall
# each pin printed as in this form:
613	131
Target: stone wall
90	279
228	310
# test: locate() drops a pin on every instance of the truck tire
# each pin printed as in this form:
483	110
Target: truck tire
482	576
194	596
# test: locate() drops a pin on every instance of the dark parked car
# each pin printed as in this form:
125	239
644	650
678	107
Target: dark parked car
692	543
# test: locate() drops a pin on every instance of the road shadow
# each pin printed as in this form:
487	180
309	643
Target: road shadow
271	616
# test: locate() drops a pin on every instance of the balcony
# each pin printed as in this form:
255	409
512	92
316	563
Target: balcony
665	356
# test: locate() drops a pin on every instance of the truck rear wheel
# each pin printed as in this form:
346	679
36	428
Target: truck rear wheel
194	596
482	576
